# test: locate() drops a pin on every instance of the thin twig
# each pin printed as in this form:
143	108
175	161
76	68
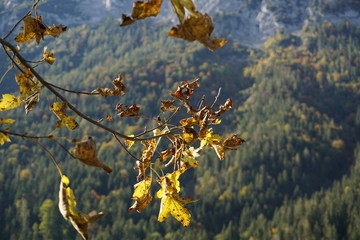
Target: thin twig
12	59
123	145
72	91
8	70
50	155
161	125
216	98
57	94
24	135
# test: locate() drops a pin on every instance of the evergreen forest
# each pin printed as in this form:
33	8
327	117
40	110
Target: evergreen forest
296	103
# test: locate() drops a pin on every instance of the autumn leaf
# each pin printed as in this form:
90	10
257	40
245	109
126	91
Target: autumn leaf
198	28
6	121
67	207
59	109
48	56
8	102
34	28
4	138
119	88
168	105
180	6
142	10
125	111
85	151
31	101
233	141
140	195
144	162
189	159
129	143
171	202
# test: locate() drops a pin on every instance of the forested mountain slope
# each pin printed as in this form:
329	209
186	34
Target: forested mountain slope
296	103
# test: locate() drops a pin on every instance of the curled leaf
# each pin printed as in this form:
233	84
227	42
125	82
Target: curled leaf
48	56
180	6
59	109
119	88
125	111
85	151
8	102
168	105
145	160
198	28
67	207
34	28
140	195
141	10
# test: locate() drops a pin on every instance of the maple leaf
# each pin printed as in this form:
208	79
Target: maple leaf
140	195
67	207
171	202
142	10
119	88
59	109
8	102
85	151
198	28
34	28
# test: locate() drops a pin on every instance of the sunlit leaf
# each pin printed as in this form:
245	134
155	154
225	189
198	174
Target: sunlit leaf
129	143
31	101
85	151
140	195
59	109
67	207
4	138
34	28
171	202
179	8
198	28
48	56
141	10
8	102
6	121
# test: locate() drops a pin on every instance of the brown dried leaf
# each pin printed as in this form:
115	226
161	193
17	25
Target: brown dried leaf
179	8
119	88
233	141
125	111
198	28
142	10
168	105
85	151
145	160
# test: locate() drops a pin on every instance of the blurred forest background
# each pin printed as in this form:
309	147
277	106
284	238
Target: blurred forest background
297	104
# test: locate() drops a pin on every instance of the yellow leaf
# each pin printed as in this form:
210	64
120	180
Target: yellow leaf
170	205
142	10
198	28
48	56
67	207
179	8
59	109
8	102
140	195
6	121
142	188
129	143
4	138
35	29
